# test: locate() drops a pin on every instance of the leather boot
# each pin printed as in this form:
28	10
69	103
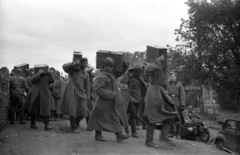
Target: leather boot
144	126
21	115
33	125
74	127
120	137
46	122
127	130
11	115
133	128
166	128
149	136
98	136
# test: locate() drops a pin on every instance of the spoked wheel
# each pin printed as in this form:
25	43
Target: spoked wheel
220	144
205	136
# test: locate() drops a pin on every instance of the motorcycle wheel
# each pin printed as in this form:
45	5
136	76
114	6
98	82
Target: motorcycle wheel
205	136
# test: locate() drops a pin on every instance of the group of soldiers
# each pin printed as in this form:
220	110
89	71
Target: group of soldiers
152	96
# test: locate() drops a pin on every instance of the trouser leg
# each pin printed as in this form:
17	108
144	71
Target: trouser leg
166	128
21	115
132	122
72	122
11	116
33	125
150	133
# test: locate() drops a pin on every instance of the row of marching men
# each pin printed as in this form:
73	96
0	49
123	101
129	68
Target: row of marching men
159	102
39	95
110	113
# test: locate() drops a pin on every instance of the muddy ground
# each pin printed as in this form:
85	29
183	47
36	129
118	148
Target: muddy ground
22	140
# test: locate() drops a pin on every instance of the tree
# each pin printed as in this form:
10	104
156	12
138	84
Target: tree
136	56
210	45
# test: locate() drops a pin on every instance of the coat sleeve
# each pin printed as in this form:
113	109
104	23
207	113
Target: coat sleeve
87	85
50	78
69	68
182	94
125	78
25	85
153	67
35	78
101	91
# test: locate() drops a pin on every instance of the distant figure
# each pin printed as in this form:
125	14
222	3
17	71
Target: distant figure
58	89
190	116
18	86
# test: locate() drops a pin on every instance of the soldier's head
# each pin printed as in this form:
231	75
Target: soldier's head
18	72
52	70
109	64
84	63
173	76
138	70
57	74
26	73
190	108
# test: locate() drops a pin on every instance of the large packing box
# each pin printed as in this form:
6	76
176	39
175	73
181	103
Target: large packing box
43	67
154	52
117	56
23	66
77	56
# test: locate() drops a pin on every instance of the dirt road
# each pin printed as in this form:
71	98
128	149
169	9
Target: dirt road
21	140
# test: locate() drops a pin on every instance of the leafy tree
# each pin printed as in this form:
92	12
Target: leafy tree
136	56
210	46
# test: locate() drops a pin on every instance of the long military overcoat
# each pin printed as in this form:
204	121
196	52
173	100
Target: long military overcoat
38	98
109	112
76	93
158	105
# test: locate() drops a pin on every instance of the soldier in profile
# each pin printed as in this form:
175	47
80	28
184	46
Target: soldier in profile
109	111
18	86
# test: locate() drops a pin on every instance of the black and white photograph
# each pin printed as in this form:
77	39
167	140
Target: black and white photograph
119	77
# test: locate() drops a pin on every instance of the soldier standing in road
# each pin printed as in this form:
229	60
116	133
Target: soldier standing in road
109	110
158	106
18	86
38	99
177	93
77	93
136	93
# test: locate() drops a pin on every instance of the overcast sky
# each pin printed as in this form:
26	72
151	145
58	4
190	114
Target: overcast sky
48	31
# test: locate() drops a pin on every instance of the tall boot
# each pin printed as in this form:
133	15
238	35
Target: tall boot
46	122
149	136
120	137
87	119
166	128
33	125
21	115
132	122
78	120
17	116
138	123
127	130
98	136
11	115
73	125
144	125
